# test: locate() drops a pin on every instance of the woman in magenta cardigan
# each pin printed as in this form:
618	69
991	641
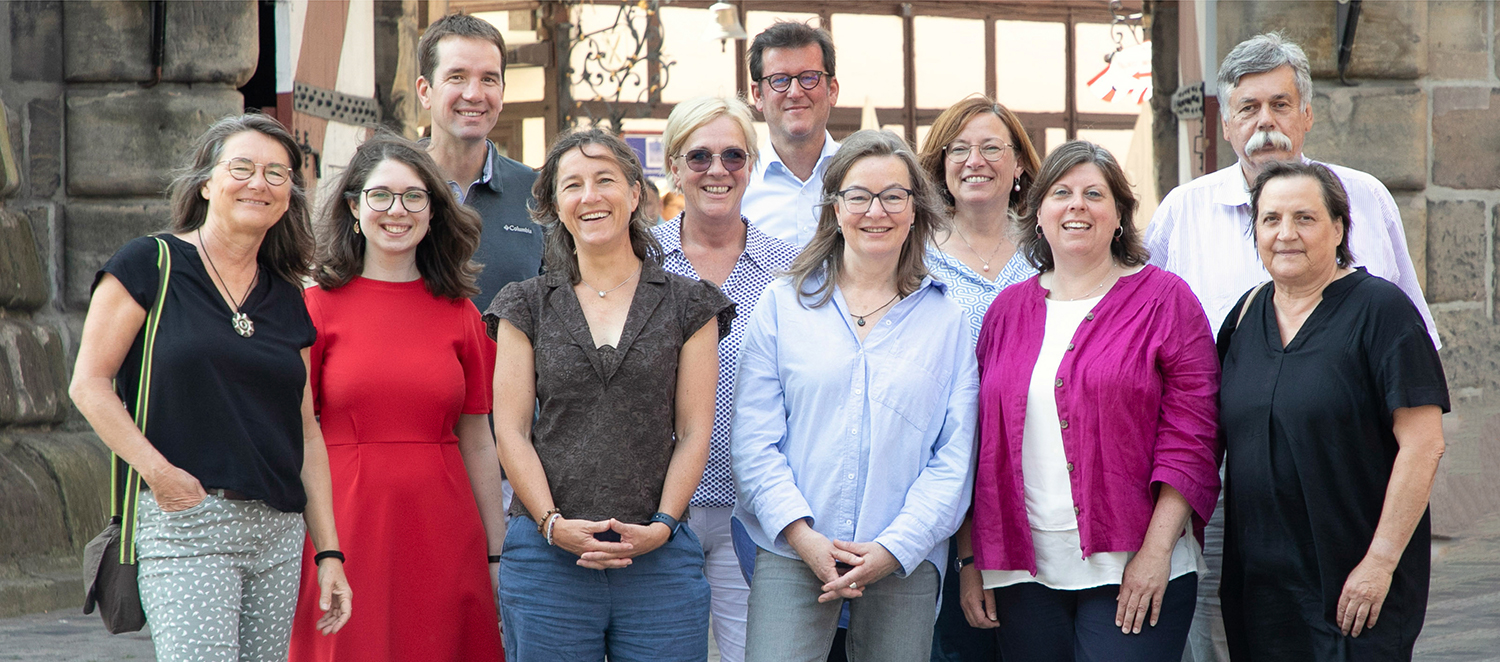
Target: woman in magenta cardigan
1097	461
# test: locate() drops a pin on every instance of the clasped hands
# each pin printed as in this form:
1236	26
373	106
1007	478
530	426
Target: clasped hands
577	537
846	568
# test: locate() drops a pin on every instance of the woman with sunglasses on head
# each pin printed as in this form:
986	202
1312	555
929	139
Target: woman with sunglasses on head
982	164
233	462
710	142
853	427
401	383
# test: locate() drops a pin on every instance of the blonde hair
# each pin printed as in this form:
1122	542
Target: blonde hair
697	112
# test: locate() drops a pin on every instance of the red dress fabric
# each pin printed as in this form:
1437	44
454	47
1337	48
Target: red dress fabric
392	369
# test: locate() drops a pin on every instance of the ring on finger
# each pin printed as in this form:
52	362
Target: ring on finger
853	584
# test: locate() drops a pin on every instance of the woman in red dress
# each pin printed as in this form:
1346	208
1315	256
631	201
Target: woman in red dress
401	383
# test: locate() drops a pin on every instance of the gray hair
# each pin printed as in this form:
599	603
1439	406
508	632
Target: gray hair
1262	53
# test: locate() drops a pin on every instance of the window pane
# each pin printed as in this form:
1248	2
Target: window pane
1055	138
950	59
1031	63
874	71
700	66
1093	42
1115	140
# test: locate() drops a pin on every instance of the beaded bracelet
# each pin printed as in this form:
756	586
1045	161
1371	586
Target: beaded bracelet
541	522
550	522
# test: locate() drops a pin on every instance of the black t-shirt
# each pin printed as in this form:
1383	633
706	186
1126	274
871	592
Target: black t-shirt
225	408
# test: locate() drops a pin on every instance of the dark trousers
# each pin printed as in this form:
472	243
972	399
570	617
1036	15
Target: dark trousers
1043	624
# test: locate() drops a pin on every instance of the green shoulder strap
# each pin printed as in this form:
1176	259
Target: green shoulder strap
124	481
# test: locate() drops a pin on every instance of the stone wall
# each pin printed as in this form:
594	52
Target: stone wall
86	152
1424	117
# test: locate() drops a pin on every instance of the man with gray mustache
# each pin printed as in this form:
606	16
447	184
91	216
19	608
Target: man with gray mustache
1201	232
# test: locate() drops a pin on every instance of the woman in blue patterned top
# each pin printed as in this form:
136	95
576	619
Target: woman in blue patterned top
710	143
983	164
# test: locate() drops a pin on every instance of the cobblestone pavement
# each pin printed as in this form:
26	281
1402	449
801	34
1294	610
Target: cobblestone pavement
1463	615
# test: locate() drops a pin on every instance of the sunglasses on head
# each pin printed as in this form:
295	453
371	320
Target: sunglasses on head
700	160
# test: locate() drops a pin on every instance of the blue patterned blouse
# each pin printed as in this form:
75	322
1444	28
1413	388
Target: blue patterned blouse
971	291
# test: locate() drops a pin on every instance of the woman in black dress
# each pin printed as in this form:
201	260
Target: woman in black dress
1331	404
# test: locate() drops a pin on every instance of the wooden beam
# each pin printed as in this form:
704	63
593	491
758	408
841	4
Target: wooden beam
991	64
909	72
1070	76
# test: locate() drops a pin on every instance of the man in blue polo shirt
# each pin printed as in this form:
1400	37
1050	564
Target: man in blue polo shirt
462	84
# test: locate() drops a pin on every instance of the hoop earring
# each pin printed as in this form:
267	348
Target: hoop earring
1038	227
1119	232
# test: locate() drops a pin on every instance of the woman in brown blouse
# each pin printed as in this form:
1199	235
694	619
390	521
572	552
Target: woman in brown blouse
621	360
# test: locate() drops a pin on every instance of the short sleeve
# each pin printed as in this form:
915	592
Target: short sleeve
134	265
1406	366
478	358
704	301
513	304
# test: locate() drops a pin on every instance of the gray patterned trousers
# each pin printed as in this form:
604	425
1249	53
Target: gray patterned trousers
219	580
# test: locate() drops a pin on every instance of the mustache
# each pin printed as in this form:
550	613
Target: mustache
1263	139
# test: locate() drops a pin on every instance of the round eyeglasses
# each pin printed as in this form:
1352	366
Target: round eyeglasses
858	199
700	160
990	152
783	82
243	169
382	199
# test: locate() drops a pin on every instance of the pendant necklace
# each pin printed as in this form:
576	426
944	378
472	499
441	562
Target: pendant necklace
241	321
1107	274
860	319
985	260
622	283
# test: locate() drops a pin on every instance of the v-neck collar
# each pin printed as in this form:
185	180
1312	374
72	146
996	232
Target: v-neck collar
1333	293
257	291
649	293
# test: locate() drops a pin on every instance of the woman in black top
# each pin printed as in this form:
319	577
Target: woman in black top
619	359
234	462
1331	405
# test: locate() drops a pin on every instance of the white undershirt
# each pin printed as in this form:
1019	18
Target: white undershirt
1049	491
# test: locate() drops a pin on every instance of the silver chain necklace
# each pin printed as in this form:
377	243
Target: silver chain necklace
241	321
1107	274
622	283
985	260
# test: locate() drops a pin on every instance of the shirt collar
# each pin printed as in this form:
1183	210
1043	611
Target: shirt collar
757	244
1232	190
651	272
486	175
769	157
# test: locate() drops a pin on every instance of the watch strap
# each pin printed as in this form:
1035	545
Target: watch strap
668	520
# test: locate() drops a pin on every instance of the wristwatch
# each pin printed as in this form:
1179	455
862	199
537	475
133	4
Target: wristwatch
668	520
967	560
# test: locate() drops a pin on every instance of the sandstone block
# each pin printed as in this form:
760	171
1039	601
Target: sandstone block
206	41
125	141
10	152
1390	41
1456	249
1469	338
1466	146
1373	129
23	283
36	40
94	231
79	463
32	520
36	382
1459	47
44	146
1413	209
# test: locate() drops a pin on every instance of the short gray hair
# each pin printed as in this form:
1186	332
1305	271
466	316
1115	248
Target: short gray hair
1262	53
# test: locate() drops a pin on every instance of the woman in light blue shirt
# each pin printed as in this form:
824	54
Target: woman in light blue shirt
853	433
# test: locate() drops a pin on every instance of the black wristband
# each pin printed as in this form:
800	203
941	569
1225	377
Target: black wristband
494	558
965	561
328	554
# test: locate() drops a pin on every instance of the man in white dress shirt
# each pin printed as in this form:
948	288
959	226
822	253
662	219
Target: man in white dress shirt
1201	232
794	89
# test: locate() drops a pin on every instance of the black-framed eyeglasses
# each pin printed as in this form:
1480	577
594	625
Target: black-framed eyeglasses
382	199
858	199
783	82
243	169
700	160
991	151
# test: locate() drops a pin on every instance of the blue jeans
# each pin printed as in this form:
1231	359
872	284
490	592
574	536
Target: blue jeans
554	609
1040	623
892	622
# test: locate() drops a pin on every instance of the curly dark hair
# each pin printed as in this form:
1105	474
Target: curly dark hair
1128	249
288	246
444	254
559	252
